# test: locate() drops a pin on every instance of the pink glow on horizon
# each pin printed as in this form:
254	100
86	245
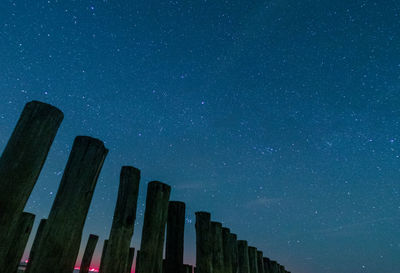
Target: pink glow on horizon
90	269
94	269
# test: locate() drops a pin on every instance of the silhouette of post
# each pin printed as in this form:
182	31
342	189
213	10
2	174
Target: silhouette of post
137	261
61	238
260	264
235	263
274	266
119	241
227	246
131	255
35	244
102	256
175	237
253	259
267	265
16	250
243	257
217	254
153	233
187	269
204	244
88	254
21	163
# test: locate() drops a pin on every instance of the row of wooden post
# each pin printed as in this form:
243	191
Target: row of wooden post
56	244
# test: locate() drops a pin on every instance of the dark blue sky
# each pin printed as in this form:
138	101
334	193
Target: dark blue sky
279	117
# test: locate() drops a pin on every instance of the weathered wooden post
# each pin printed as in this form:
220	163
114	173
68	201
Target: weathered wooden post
253	259
153	233
20	165
103	251
274	266
235	263
59	246
227	245
35	244
130	260
119	241
204	244
260	264
243	257
175	237
187	269
267	265
88	254
137	265
16	250
217	254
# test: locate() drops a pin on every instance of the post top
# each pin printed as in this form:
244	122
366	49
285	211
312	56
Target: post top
177	203
202	213
44	106
157	184
226	229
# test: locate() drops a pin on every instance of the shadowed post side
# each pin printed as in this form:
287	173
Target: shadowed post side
260	264
235	265
16	250
203	243
35	244
59	246
129	262
274	267
227	249
175	237
267	265
243	257
21	163
253	259
217	254
137	261
153	233
187	268
88	254
102	256
119	241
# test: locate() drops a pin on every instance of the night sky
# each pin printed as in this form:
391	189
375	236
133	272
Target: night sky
281	118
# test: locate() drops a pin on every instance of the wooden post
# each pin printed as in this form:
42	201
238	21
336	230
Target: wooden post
274	266
253	259
16	250
102	256
260	264
59	246
119	241
217	254
130	260
187	269
267	265
204	244
175	237
227	245
243	257
235	263
35	244
137	261
21	163
153	233
88	254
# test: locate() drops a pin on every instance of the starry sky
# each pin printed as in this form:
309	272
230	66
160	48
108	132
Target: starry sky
279	117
